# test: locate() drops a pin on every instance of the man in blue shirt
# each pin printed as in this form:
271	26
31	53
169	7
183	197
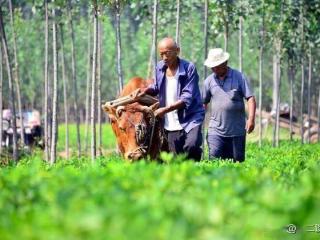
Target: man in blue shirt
177	86
226	88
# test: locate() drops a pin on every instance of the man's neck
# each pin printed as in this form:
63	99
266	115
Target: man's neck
223	76
173	66
172	69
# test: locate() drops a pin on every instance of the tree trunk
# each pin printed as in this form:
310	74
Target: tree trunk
291	75
309	94
205	72
226	34
11	90
260	91
99	88
261	50
65	96
88	89
46	87
155	32
74	78
319	117
278	97
178	24
93	83
16	75
240	42
275	82
301	101
153	51
276	92
302	78
206	5
1	103
118	37
55	91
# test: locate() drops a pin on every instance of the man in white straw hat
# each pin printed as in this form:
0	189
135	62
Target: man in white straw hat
226	88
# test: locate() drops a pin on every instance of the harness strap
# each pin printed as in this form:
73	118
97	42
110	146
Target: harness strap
152	132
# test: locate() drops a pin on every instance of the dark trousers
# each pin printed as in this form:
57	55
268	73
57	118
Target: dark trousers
227	147
189	143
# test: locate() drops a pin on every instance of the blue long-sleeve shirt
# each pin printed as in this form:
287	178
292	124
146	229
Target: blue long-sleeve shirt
193	112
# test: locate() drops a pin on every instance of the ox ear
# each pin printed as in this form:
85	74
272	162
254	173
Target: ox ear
112	118
154	106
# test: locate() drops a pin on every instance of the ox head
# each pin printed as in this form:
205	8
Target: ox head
132	124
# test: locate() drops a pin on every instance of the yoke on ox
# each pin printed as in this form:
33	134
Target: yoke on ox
134	124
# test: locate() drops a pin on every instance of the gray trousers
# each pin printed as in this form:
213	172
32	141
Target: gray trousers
227	147
190	143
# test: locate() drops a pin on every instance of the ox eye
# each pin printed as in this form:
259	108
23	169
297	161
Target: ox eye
112	119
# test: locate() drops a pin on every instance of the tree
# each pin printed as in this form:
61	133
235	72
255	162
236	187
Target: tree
205	30
302	70
46	86
11	90
93	81
99	49
88	87
261	50
225	12
309	93
74	78
16	74
118	38
240	36
65	90
290	41
319	117
55	91
1	98
313	43
153	49
178	23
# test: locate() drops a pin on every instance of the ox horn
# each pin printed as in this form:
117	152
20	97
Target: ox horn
119	110
107	107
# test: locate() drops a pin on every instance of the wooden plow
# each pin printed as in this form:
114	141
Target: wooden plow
143	99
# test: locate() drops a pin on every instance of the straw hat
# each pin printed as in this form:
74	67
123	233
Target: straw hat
216	56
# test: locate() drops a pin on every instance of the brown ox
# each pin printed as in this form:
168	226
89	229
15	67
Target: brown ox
137	131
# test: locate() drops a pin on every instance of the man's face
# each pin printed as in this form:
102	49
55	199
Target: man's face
168	54
221	70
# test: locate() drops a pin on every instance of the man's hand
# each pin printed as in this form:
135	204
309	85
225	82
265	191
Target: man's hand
250	125
160	112
136	93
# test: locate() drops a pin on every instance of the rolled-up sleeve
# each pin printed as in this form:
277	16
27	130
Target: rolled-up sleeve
153	88
188	91
206	94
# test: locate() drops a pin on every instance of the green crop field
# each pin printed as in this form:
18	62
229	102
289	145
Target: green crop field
178	199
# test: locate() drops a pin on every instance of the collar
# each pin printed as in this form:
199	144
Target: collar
182	71
229	74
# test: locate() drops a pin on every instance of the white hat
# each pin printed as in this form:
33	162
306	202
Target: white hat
216	56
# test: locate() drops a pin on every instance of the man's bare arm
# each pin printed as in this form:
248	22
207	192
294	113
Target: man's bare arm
175	106
251	114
